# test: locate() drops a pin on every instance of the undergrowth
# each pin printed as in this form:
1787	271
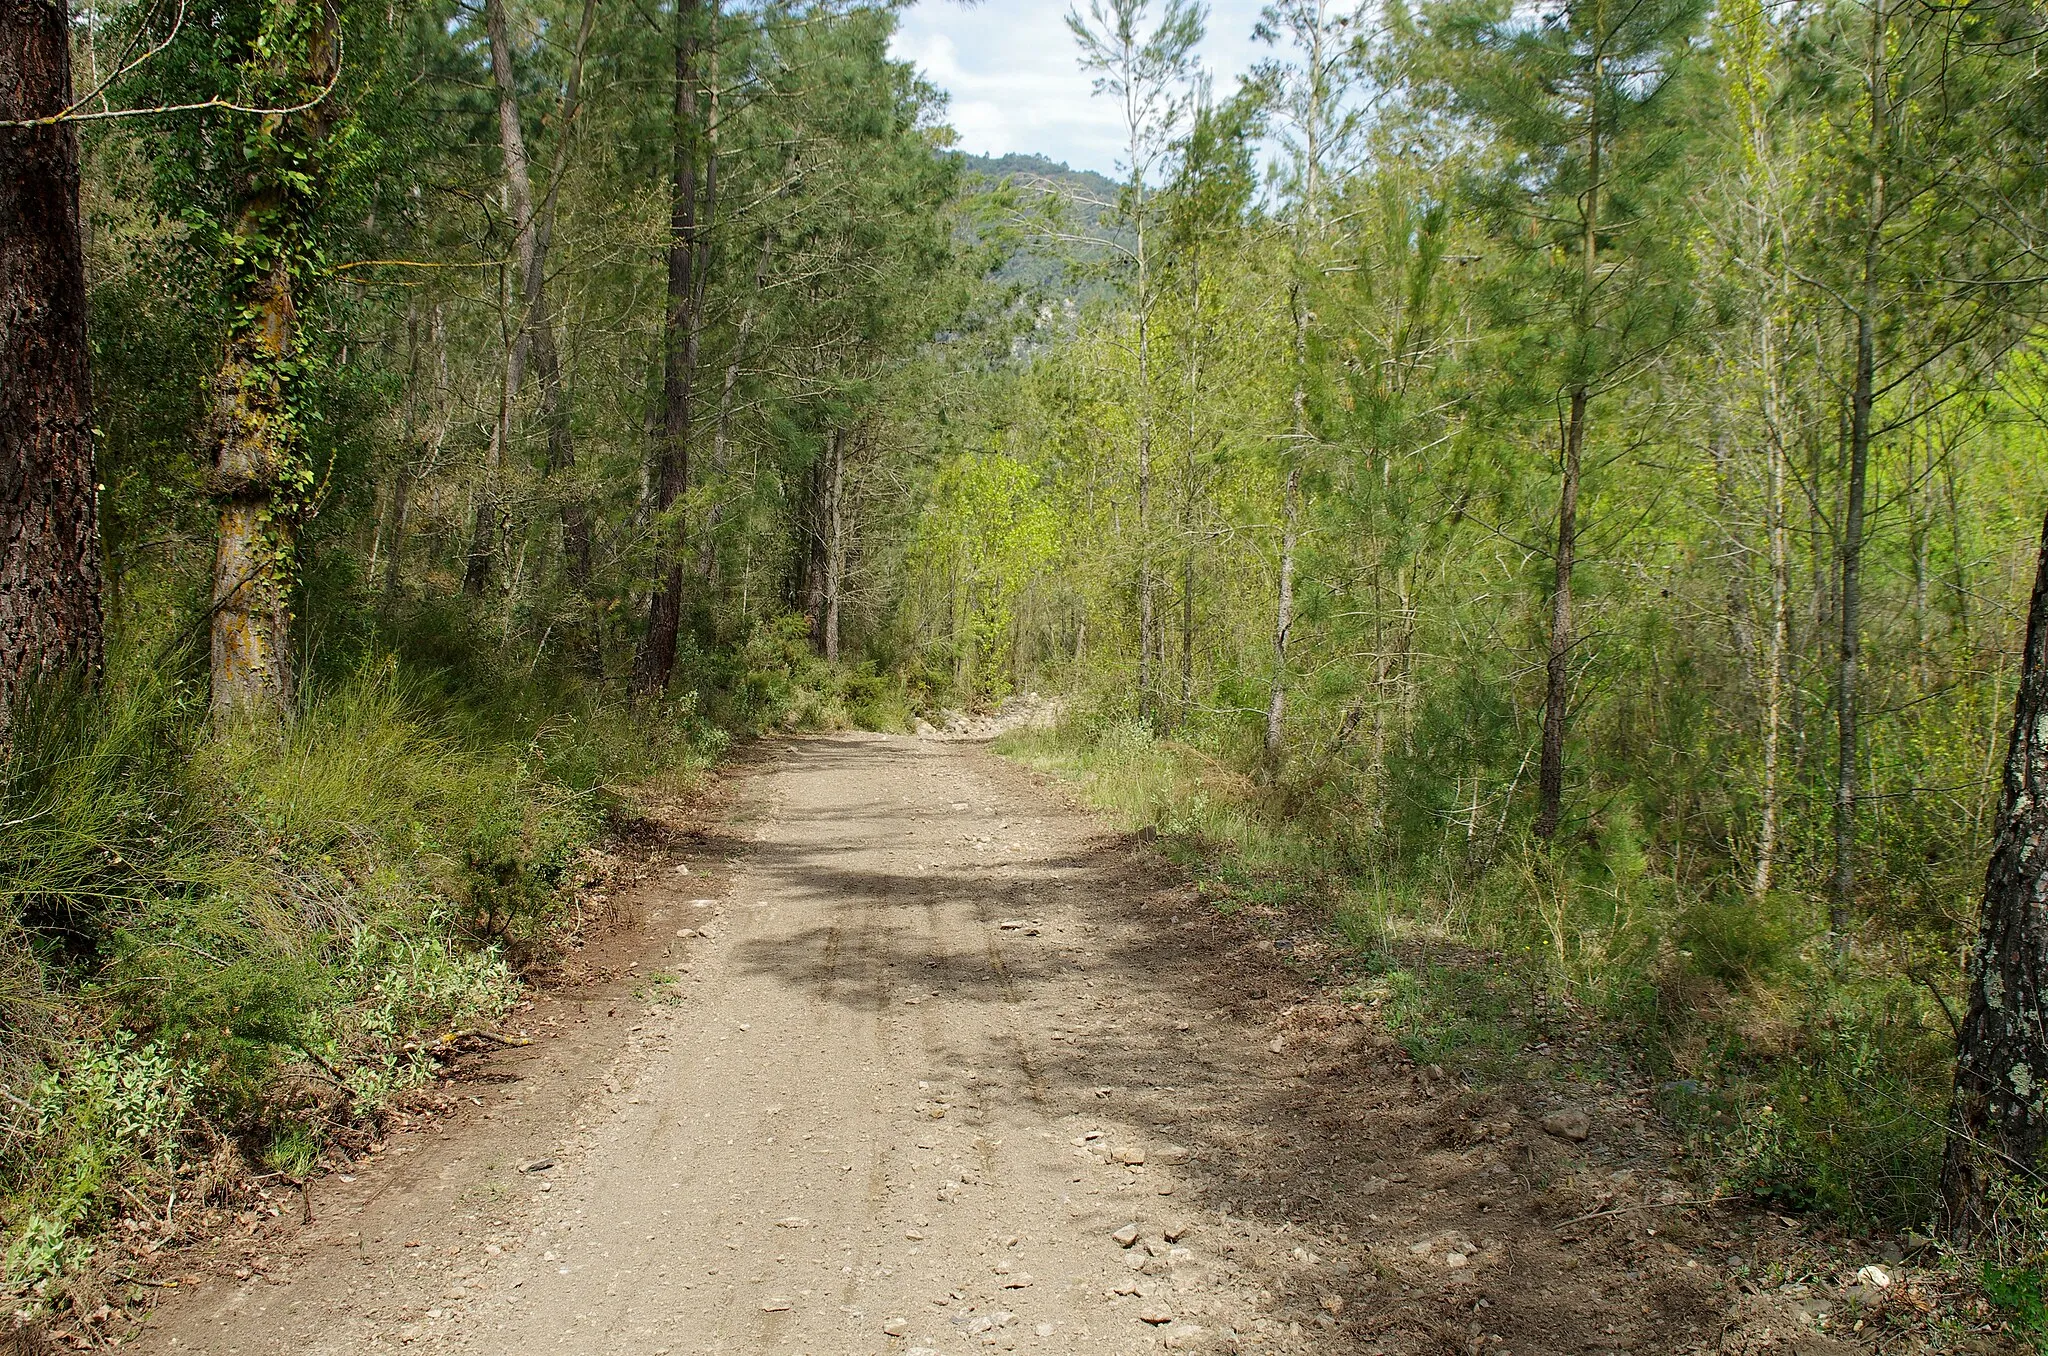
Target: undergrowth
227	952
1801	1080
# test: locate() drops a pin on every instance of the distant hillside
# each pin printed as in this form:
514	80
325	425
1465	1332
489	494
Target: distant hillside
1075	270
1076	183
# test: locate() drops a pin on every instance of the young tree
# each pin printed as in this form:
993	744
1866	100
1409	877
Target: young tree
49	526
1585	101
533	326
1148	75
1318	124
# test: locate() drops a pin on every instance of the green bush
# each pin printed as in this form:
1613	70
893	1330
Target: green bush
187	917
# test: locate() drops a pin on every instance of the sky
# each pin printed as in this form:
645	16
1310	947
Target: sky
1009	65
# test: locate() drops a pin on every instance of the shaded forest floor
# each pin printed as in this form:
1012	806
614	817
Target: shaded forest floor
903	1052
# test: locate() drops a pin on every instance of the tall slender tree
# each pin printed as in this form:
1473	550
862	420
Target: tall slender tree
1149	75
1586	104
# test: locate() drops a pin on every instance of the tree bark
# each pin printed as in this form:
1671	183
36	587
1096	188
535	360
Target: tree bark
1779	636
1557	664
1290	494
1840	912
1999	1120
50	615
682	330
259	479
1283	620
835	543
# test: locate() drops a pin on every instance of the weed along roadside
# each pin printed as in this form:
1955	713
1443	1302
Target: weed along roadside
1794	1112
246	960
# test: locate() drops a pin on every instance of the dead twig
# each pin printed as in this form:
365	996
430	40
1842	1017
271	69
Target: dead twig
1648	1205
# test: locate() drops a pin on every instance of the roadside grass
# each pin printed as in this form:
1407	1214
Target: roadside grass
231	952
237	947
1794	1079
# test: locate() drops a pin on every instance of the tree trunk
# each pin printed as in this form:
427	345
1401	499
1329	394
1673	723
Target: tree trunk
1840	912
554	395
1283	620
835	543
721	442
1557	665
49	517
1999	1121
1290	493
260	478
529	312
251	569
682	331
1779	635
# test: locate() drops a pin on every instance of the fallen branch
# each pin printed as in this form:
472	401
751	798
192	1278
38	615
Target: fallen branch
1648	1205
454	1036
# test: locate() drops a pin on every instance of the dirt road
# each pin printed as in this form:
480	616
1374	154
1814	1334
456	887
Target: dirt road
950	1068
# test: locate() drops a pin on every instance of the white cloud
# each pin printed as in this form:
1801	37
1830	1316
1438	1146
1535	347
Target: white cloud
1009	66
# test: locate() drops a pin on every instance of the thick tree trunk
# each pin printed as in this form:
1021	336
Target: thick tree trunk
1557	664
683	330
251	654
1999	1122
259	475
49	516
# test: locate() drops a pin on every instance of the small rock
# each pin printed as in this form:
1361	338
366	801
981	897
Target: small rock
1333	1305
537	1165
1019	1281
1570	1123
774	1304
686	932
896	1327
1043	1330
1155	1314
1126	1236
1454	1260
1875	1275
1177	1230
1130	1155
